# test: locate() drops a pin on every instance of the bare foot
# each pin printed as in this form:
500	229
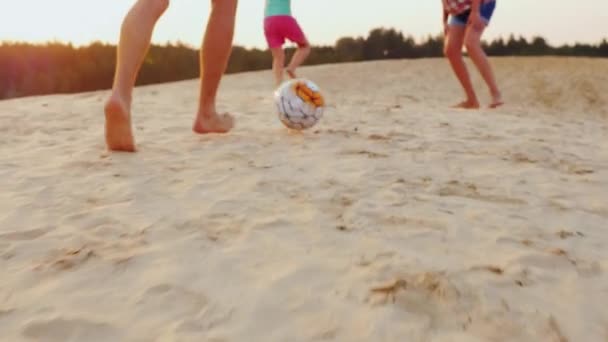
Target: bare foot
496	101
214	123
467	105
291	73
119	136
496	104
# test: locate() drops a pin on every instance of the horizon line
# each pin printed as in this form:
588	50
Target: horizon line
417	39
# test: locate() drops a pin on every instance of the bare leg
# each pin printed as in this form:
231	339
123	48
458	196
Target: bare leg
453	51
298	58
473	45
278	63
135	36
215	52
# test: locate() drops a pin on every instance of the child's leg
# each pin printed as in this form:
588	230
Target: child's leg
214	55
135	35
473	45
453	51
273	27
298	58
295	34
278	64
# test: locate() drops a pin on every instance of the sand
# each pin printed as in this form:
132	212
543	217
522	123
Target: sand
481	226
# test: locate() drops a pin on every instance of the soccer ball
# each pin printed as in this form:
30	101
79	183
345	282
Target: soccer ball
299	103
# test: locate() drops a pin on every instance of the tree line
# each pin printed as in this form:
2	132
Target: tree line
38	69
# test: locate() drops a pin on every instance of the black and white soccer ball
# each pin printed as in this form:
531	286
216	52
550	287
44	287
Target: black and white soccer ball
300	104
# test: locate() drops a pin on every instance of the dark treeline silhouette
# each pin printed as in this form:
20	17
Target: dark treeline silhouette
27	69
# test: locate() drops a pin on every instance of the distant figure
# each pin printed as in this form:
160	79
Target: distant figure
280	25
135	36
467	22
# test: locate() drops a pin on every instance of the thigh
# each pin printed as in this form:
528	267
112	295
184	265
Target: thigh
277	53
294	32
272	31
472	37
455	37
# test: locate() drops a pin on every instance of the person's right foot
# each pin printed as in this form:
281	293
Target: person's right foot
119	136
213	123
496	101
468	104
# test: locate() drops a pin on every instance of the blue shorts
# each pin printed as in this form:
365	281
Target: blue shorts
486	11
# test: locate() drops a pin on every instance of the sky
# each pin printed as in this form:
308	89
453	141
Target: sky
324	21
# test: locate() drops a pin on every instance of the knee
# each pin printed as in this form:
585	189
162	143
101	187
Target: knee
278	57
446	51
305	48
452	51
279	60
472	44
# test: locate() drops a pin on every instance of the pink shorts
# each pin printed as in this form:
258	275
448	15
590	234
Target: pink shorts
281	27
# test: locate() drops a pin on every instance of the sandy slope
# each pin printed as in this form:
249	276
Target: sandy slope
496	221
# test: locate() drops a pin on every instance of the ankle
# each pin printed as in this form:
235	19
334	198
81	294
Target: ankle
121	96
472	100
206	111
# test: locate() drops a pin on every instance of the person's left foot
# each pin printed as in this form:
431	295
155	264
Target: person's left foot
496	101
468	104
213	123
119	136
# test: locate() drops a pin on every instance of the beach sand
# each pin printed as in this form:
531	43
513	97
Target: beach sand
487	225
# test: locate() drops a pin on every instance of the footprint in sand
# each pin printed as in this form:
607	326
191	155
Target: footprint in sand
7	240
409	222
520	158
583	267
67	259
564	234
339	203
60	330
400	136
434	286
6	251
173	301
218	225
489	268
366	260
430	294
555	259
204	323
24	235
341	132
369	154
378	137
412	98
575	169
469	190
